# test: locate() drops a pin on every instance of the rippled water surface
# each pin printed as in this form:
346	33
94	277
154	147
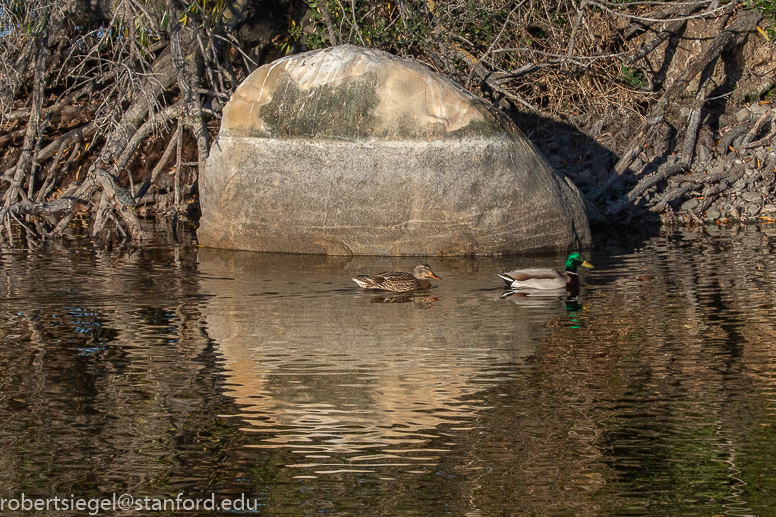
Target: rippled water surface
226	375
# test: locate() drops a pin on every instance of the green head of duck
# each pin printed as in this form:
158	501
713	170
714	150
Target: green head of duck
574	261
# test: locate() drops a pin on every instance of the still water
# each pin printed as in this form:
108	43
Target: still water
272	380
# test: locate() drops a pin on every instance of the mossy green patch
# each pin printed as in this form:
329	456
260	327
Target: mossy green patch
350	112
327	111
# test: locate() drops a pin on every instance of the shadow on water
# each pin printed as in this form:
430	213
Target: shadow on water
182	370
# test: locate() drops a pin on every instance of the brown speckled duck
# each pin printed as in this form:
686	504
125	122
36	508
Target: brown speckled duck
398	281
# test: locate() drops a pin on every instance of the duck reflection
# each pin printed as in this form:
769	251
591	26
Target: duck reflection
535	298
419	301
540	296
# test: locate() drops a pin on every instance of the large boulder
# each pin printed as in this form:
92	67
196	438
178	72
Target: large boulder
355	151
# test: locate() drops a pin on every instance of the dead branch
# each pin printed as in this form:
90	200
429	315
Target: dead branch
31	135
694	120
672	29
731	36
76	135
764	140
731	135
173	144
753	132
155	120
661	15
684	184
663	172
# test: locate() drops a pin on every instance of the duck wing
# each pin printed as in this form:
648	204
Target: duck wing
535	278
369	281
387	281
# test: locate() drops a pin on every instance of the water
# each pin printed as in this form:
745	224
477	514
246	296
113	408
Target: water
272	380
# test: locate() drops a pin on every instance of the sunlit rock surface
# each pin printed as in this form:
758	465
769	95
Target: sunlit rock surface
355	151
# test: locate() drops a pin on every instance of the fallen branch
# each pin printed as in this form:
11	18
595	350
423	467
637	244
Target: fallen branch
58	206
673	28
731	36
745	143
687	183
171	145
77	134
694	120
665	13
728	138
663	172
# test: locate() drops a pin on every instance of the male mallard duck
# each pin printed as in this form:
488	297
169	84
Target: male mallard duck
547	278
398	281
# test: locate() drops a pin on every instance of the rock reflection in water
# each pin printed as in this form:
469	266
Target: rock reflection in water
175	370
338	374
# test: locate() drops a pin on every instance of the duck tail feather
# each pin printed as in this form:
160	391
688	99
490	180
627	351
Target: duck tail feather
362	282
506	279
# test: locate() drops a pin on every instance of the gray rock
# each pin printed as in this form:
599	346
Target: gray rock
752	209
758	109
769	208
636	166
713	213
690	204
703	154
752	197
742	114
354	151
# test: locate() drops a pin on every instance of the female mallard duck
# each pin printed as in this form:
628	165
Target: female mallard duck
398	281
547	278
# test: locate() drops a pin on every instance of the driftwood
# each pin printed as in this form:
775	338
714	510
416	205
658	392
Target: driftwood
128	86
747	143
129	97
694	121
664	172
684	184
731	36
730	136
673	28
660	15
